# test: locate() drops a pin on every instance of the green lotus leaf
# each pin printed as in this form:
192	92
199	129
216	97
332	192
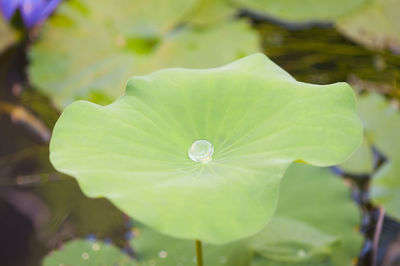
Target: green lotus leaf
7	35
302	11
89	50
385	188
130	18
200	48
361	162
88	253
382	126
154	248
375	26
327	238
257	118
208	12
289	240
319	199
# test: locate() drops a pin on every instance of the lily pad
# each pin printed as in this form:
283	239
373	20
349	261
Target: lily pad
382	123
361	162
284	241
385	188
302	11
382	126
317	198
201	48
287	240
208	12
257	117
89	50
376	26
154	248
130	18
83	252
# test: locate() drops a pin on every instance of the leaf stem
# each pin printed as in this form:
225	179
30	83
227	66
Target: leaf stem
377	235
199	253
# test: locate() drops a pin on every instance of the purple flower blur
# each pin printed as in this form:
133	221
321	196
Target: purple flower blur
32	11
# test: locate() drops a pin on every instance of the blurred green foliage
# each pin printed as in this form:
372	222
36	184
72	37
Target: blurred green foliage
376	26
295	11
87	50
381	121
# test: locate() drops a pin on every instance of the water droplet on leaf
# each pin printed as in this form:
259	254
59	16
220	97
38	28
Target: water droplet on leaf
201	151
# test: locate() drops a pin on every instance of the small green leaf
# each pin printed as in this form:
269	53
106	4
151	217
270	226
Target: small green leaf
382	126
200	47
129	18
82	252
361	162
256	116
291	240
208	12
158	249
318	198
385	188
302	11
